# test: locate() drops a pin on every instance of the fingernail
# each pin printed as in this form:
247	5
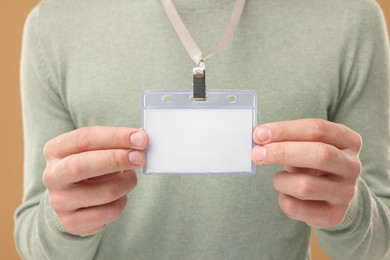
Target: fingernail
263	134
260	152
135	157
137	139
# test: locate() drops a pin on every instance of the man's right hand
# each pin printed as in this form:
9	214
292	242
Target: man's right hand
89	173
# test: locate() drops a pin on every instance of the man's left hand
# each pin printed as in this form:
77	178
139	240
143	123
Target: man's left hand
321	167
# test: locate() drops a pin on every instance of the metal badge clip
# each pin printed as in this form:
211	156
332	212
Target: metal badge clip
199	82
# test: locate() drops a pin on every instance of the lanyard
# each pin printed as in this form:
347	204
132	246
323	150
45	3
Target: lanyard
199	73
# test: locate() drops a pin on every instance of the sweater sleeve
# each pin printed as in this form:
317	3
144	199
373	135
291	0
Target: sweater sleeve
364	106
38	231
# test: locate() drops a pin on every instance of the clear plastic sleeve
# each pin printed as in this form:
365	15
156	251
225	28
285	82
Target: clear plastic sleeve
199	137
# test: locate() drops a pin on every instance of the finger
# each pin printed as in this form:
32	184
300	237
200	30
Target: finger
310	171
105	176
308	187
95	138
312	155
317	214
79	167
85	221
94	192
315	130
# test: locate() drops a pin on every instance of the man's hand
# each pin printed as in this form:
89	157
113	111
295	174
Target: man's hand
321	161
89	173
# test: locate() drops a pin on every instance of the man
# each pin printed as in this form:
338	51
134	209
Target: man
320	69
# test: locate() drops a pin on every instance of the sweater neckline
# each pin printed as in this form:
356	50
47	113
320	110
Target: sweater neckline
200	5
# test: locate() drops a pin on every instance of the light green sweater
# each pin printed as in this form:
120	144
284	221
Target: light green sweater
87	62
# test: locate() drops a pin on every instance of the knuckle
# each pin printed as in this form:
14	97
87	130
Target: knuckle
50	176
134	179
131	178
356	167
353	166
354	138
288	206
56	202
305	187
48	149
72	166
116	137
317	129
47	177
69	224
108	194
324	154
114	210
348	192
82	138
335	216
357	140
51	148
118	158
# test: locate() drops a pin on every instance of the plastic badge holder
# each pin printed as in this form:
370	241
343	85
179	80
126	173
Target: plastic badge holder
198	137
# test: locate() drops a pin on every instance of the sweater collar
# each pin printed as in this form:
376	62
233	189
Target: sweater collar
201	5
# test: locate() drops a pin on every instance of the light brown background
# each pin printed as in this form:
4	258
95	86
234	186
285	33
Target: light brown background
12	16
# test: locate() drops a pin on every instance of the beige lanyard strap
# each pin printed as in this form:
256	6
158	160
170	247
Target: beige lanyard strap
199	73
186	38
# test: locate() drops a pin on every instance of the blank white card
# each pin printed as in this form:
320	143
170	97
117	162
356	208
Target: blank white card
186	136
